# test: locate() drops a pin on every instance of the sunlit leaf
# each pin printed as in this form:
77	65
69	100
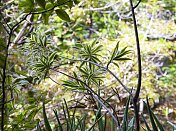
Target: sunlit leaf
151	116
125	117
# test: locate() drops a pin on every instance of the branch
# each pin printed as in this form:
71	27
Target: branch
137	4
136	96
4	70
22	31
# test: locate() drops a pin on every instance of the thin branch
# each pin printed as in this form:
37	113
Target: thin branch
137	4
54	81
22	31
136	97
4	70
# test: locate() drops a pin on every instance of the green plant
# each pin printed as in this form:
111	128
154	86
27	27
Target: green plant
88	73
169	78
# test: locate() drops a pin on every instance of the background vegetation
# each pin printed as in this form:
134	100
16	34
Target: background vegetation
61	63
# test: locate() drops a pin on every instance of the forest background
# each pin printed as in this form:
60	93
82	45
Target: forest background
74	65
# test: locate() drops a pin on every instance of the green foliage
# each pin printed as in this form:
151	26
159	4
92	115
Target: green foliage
26	5
169	78
118	55
47	125
46	8
45	63
89	52
49	55
71	122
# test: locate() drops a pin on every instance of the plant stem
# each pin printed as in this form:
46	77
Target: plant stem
136	96
4	71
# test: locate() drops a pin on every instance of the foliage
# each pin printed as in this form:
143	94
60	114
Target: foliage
169	78
73	45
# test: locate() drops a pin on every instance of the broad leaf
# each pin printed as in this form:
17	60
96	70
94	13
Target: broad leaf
63	15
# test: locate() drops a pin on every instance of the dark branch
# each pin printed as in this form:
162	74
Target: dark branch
136	97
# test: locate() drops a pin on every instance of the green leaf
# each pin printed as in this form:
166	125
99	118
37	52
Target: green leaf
115	51
41	3
63	15
46	122
52	56
26	5
157	122
121	59
125	117
146	124
59	123
62	2
151	116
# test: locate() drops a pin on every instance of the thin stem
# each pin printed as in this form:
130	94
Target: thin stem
136	96
4	71
137	4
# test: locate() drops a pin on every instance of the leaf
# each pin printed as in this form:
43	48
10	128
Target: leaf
52	56
26	5
46	122
62	2
59	123
146	124
41	3
125	117
157	122
121	59
115	51
151	116
63	15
